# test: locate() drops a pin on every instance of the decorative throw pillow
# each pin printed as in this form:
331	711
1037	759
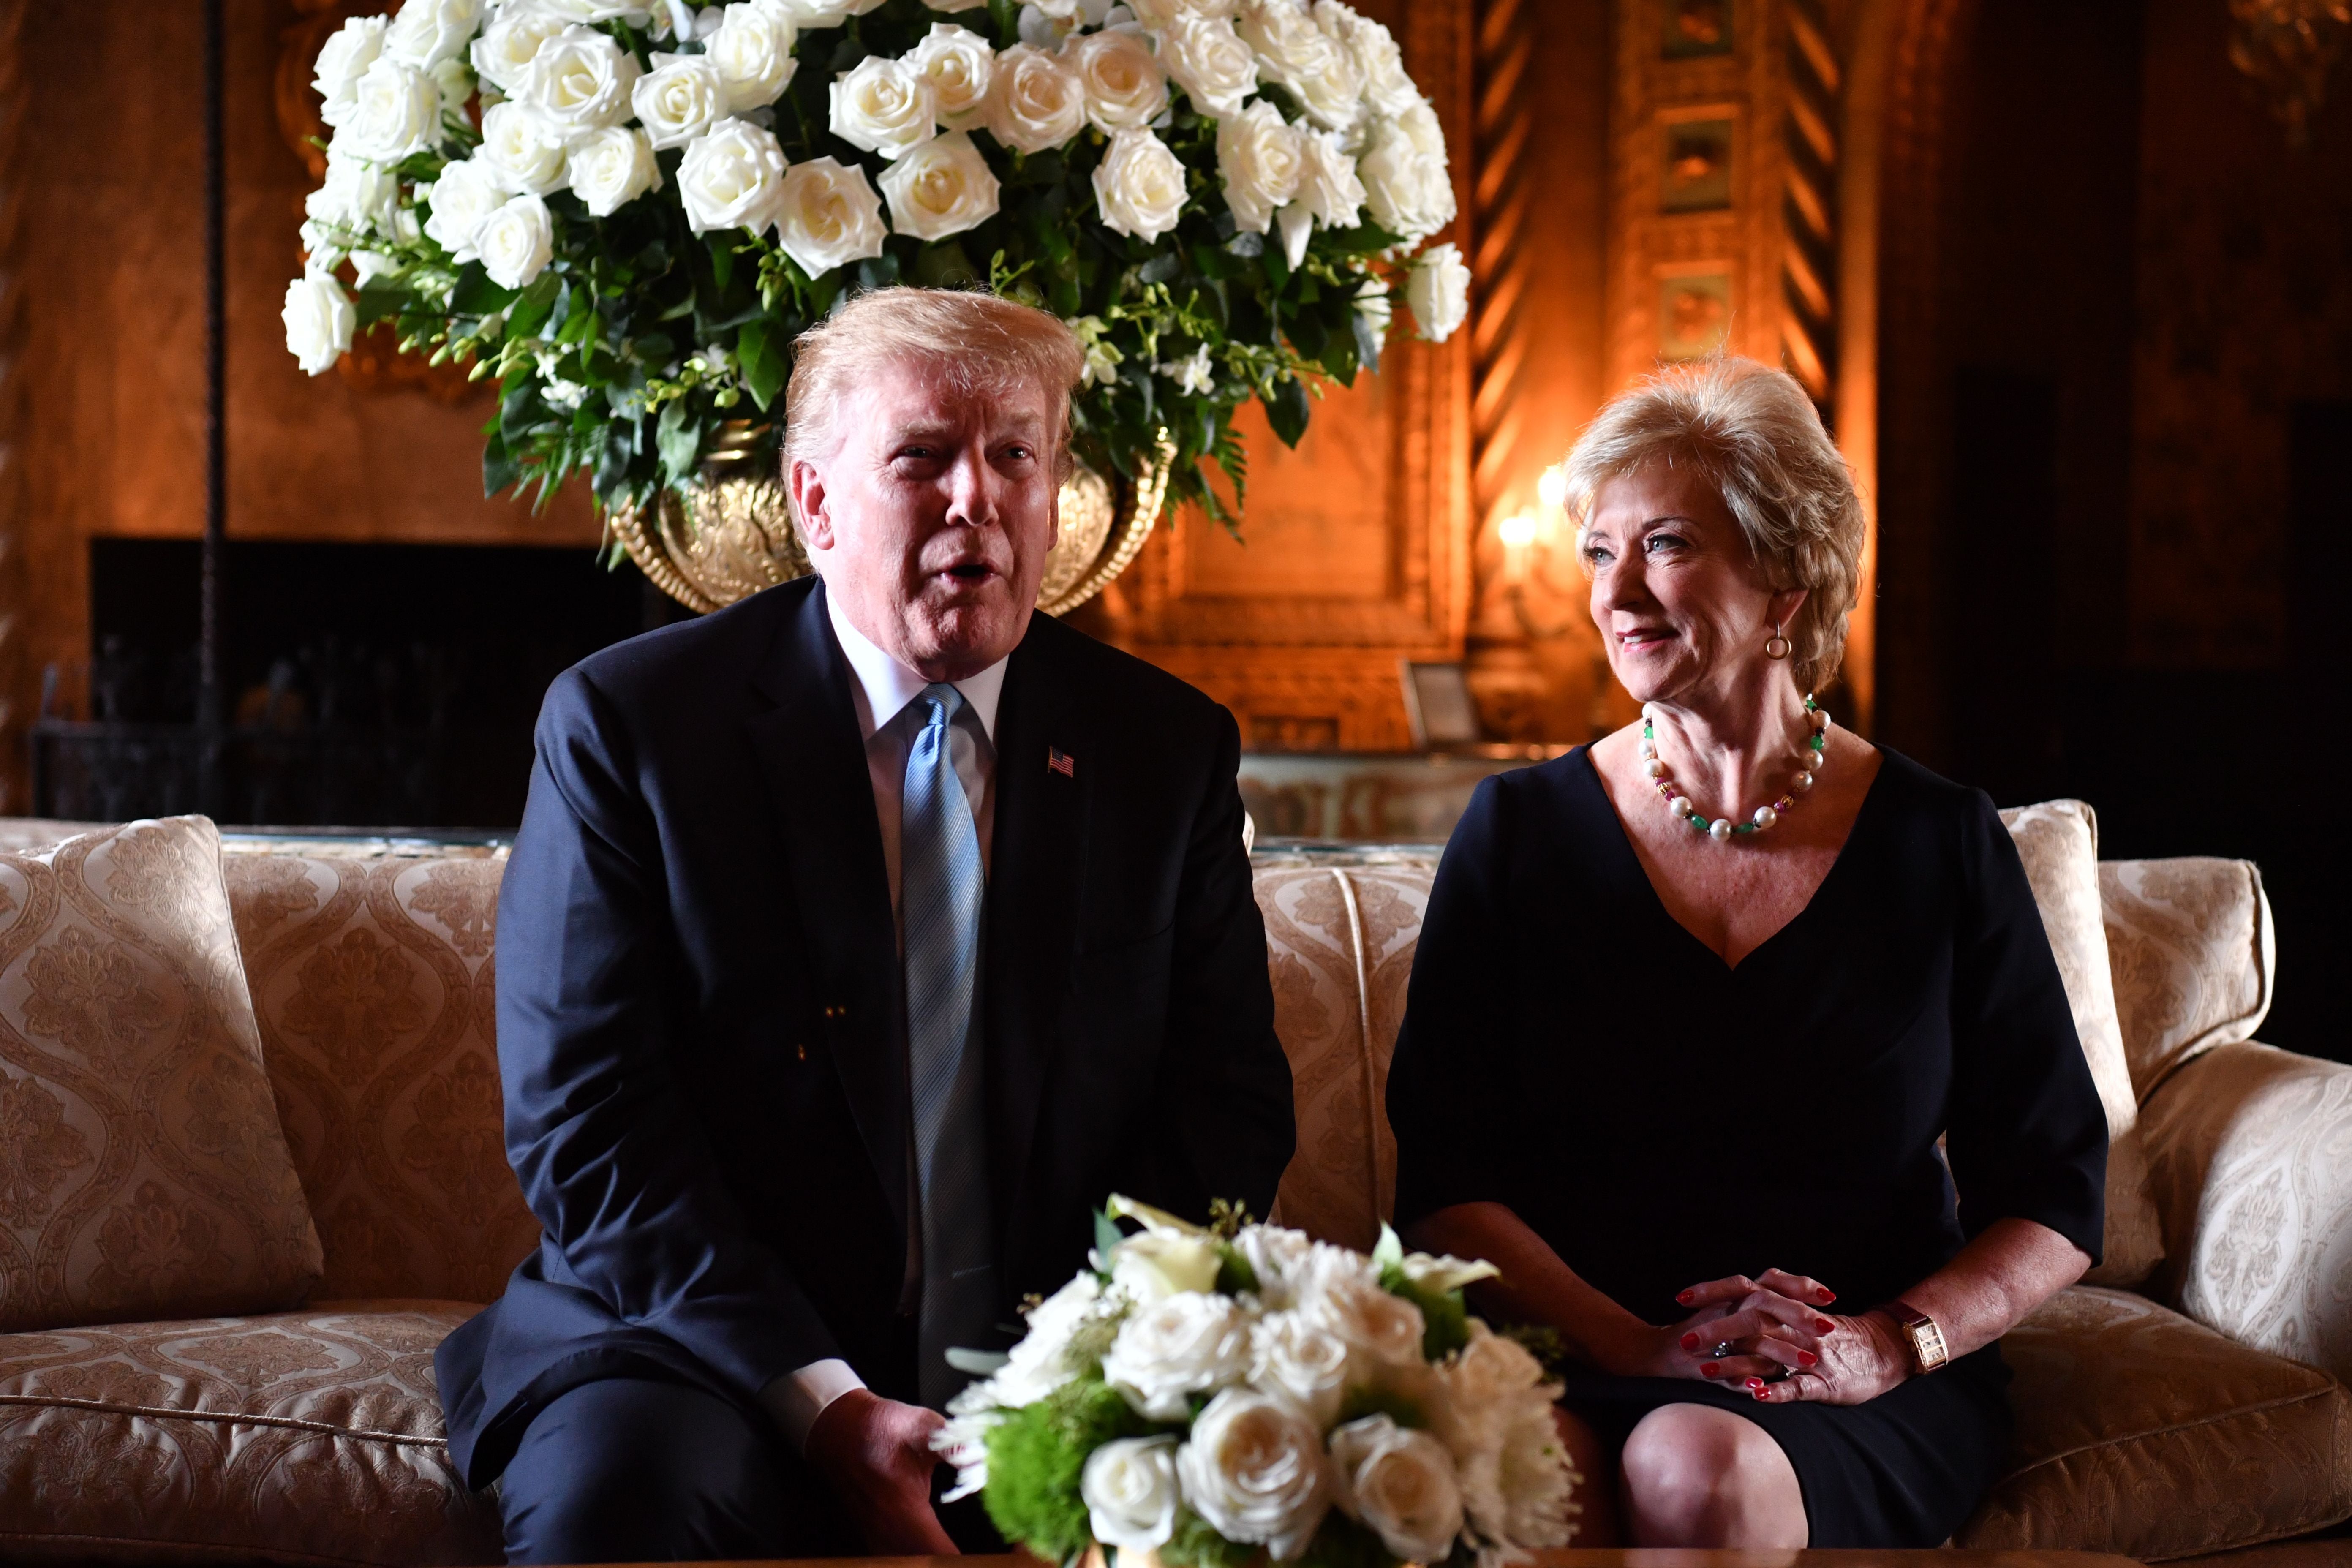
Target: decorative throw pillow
2059	842
2194	955
143	1170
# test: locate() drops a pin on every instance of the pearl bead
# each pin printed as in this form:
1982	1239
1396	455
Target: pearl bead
1804	780
1721	830
1766	816
1654	768
1681	807
1649	750
1821	717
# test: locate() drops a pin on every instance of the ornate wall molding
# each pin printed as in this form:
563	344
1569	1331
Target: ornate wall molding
1811	134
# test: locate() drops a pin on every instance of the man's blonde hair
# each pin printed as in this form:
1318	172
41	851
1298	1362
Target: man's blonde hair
979	342
1751	433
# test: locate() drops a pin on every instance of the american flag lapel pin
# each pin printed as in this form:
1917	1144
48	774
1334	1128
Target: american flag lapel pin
1060	762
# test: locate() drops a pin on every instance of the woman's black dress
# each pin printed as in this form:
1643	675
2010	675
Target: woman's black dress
1572	1052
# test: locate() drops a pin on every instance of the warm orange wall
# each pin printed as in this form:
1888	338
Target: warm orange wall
110	248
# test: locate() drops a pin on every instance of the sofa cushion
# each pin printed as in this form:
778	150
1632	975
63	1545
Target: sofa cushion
2142	1433
143	1168
2193	952
303	1438
372	973
1339	946
2251	1150
2059	842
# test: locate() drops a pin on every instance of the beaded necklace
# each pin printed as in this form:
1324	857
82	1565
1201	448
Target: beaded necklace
1809	762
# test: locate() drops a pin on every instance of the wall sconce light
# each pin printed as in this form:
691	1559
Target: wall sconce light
1552	487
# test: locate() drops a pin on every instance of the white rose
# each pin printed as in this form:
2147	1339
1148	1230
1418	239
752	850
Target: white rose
1254	1470
1517	1484
731	178
1401	1484
1034	101
636	13
1319	72
1159	14
318	320
1131	1491
1259	155
1277	1256
356	194
395	111
1040	1363
941	188
521	149
1156	1265
1327	184
1188	1344
1406	185
427	32
1373	304
958	63
883	105
1126	88
512	40
1138	186
1292	1354
1210	62
678	101
810	14
829	216
516	242
1342	1294
462	199
580	82
753	51
1380	64
342	60
612	168
1439	292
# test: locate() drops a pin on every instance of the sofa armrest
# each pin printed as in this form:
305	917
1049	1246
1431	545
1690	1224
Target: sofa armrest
2250	1158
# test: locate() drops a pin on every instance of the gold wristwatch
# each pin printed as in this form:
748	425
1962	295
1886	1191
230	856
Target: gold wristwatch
1929	1351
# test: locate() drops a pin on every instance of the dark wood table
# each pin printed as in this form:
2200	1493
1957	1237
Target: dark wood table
1627	1557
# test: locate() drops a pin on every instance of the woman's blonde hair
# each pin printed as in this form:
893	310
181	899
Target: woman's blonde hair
1752	434
979	342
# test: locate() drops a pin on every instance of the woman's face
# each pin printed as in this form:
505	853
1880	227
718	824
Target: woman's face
1681	603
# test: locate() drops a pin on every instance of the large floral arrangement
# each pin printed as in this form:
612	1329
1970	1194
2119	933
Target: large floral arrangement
1218	1397
625	210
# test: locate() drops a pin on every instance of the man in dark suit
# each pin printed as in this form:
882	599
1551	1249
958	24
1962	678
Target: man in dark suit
857	940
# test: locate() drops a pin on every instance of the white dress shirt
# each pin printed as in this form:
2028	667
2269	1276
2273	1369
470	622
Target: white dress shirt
884	691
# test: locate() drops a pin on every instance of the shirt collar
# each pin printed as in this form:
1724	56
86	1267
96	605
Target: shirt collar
884	686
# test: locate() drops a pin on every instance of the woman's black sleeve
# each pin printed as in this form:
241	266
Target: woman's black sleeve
1448	1091
2028	1138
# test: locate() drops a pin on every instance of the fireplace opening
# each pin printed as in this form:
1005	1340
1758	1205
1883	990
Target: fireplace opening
366	685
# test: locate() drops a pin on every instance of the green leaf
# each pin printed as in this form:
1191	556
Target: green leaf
499	472
722	258
765	367
476	295
1005	15
678	439
1108	1235
1286	410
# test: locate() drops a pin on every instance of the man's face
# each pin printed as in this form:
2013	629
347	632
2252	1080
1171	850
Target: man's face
932	517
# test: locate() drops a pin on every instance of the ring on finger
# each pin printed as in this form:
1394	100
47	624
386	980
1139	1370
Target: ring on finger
1722	1349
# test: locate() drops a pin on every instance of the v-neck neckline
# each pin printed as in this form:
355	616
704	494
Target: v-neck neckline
1641	871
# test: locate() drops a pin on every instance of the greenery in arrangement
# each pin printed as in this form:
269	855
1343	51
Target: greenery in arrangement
625	211
1220	1396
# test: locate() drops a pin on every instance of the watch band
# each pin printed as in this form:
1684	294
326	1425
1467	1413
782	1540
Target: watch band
1929	1351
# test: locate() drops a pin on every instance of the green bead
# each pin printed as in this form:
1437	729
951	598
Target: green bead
1743	828
1696	821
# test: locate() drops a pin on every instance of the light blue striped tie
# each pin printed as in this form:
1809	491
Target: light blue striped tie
942	890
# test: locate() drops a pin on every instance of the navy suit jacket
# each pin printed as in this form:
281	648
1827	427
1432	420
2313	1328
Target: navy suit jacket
700	1028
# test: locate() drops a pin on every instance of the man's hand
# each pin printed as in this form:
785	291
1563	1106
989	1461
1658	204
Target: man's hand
877	1456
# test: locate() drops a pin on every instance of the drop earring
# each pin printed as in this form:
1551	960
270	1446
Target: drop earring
1777	646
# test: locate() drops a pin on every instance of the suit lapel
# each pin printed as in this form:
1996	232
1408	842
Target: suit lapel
814	768
1037	863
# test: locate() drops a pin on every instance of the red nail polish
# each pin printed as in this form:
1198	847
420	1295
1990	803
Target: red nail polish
1759	1397
1755	1383
1825	1326
1807	1358
1686	1296
1690	1342
1710	1369
1828	1295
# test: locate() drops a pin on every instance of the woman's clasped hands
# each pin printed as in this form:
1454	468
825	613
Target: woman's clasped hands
1770	1337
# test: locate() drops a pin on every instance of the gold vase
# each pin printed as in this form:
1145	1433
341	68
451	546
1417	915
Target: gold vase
729	533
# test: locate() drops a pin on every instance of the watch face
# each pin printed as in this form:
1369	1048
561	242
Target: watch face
1929	1340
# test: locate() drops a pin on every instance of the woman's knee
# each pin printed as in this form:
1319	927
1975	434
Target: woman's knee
1696	1476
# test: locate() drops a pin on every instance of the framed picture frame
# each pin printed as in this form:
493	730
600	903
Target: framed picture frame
1437	705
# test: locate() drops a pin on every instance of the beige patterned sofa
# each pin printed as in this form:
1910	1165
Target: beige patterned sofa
2203	1415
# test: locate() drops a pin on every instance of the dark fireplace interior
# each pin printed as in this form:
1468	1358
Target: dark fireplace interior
366	685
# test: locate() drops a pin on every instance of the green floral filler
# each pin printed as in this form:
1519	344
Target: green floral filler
625	211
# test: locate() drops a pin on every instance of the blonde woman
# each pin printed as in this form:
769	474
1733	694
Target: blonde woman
1694	1005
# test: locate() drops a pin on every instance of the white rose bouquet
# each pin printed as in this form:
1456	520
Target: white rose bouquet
1219	1397
626	210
